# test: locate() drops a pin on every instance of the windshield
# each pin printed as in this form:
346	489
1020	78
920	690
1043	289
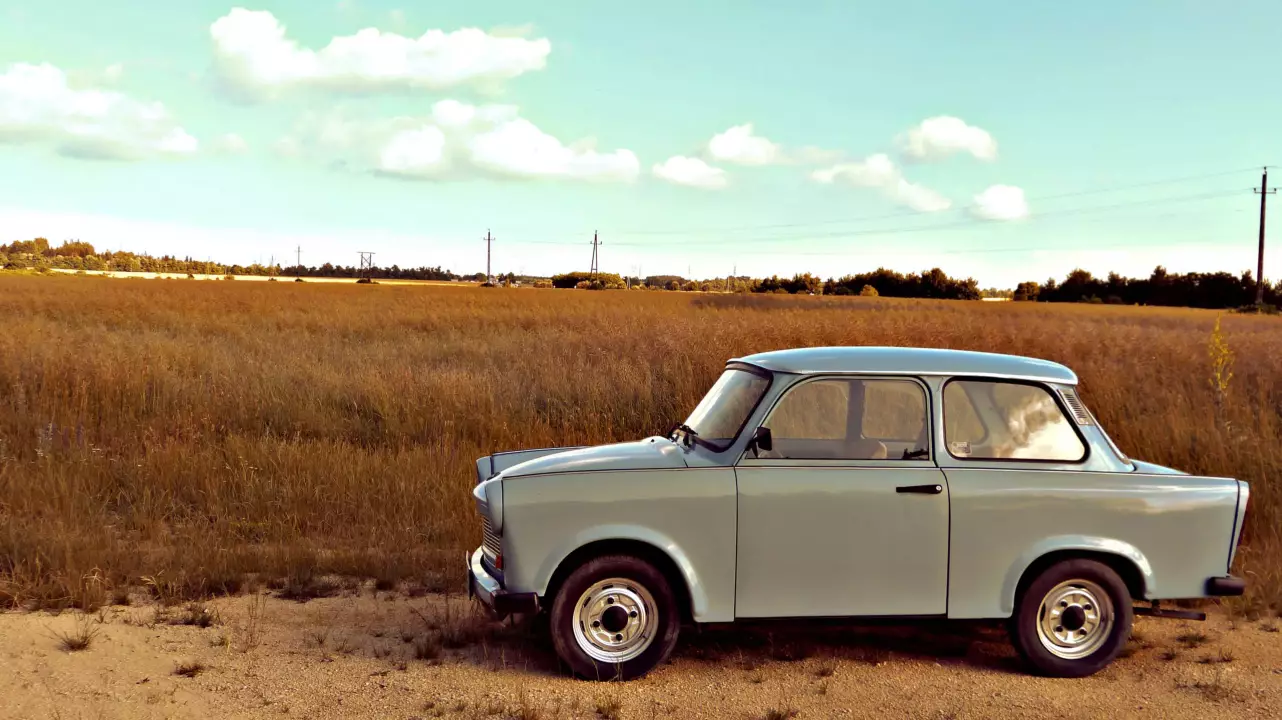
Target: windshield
724	410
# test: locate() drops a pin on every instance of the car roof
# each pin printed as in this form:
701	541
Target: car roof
909	361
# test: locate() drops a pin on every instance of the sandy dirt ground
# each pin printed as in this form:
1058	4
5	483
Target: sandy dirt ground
389	655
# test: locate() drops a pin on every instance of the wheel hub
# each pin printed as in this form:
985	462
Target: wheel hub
1075	619
616	620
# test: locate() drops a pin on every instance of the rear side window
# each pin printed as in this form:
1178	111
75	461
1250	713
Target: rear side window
989	420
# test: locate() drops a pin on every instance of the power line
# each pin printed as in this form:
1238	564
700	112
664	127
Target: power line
963	223
912	213
967	223
1164	243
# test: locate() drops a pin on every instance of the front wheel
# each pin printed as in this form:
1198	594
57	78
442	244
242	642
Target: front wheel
614	617
1073	619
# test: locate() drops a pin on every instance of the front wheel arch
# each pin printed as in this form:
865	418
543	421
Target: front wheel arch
634	548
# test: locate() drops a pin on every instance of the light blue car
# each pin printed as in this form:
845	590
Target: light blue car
855	482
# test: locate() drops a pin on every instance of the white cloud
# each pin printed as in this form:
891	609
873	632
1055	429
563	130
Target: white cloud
113	73
517	147
420	152
944	135
288	147
254	56
879	171
1000	202
690	171
458	139
741	145
232	144
37	104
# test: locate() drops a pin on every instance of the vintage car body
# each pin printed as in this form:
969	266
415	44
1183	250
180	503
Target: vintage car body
828	518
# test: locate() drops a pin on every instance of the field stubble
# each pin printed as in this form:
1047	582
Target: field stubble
191	437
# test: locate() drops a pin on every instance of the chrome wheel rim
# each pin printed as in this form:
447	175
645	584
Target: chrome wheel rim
615	620
1075	619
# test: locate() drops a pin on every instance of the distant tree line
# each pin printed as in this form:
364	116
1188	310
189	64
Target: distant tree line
1203	290
1194	289
39	254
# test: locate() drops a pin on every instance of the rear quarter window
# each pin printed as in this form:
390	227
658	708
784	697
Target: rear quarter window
1004	420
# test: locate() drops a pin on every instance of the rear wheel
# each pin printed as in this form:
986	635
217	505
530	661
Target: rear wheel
1073	619
614	617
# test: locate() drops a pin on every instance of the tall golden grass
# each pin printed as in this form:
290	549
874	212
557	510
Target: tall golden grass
192	434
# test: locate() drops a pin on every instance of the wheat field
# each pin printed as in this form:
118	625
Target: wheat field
194	436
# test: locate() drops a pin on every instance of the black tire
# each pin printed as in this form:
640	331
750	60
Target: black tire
638	574
1097	578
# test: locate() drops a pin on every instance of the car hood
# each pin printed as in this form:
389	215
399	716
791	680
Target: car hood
654	453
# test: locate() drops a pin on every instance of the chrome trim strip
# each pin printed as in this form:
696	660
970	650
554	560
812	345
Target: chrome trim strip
926	373
1239	518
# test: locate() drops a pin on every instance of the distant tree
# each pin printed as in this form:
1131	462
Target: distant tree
663	281
673	285
1026	292
868	291
75	248
572	279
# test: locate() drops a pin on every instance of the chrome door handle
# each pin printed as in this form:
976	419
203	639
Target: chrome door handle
920	489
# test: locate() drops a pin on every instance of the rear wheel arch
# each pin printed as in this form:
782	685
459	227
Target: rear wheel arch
1124	567
634	548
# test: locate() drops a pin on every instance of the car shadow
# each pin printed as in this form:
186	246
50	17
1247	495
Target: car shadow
975	644
526	645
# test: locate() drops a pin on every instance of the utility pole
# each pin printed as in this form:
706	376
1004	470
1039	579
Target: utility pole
488	240
1263	191
595	244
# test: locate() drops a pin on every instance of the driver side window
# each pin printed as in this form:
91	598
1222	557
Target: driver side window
850	419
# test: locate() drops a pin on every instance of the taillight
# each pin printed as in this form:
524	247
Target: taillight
498	561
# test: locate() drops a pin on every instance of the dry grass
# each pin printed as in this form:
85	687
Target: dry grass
80	637
189	668
200	434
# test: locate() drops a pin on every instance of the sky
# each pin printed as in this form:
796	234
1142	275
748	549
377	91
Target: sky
1004	141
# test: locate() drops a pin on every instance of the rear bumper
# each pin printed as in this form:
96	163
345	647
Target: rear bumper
1225	586
484	587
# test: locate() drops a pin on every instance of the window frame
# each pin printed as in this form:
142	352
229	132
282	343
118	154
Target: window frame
747	418
943	400
925	402
931	439
1044	387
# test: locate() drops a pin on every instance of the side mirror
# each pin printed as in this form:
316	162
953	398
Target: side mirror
761	440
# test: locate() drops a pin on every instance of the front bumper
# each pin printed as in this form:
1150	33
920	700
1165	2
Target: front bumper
492	594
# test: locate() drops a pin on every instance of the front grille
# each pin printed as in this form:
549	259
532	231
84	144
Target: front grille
490	541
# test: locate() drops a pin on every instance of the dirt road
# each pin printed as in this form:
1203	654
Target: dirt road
388	655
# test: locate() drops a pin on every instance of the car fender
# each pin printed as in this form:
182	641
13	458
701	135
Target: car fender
634	533
1084	543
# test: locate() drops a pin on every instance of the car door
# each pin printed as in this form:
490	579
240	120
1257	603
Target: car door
847	514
